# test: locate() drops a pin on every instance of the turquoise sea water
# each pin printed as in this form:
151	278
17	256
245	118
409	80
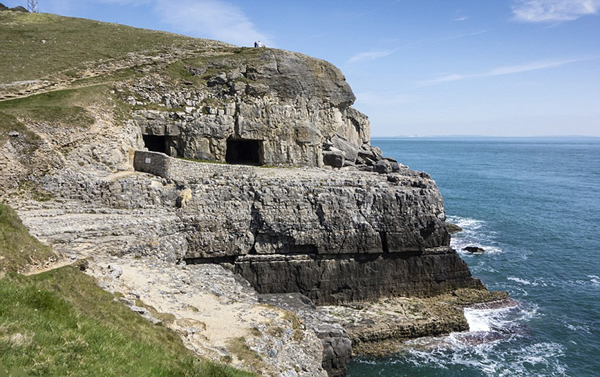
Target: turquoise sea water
534	206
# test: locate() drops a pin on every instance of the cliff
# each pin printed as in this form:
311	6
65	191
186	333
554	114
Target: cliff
283	188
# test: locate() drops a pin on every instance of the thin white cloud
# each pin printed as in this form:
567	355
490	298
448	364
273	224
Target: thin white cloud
465	35
553	10
371	55
215	19
463	18
508	70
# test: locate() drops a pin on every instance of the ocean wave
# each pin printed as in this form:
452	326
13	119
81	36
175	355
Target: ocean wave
491	359
474	233
534	283
579	328
489	345
466	223
519	280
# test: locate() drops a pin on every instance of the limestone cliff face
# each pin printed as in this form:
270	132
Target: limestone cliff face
335	236
293	109
328	217
370	229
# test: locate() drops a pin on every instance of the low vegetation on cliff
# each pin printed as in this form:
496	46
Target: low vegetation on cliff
44	44
18	249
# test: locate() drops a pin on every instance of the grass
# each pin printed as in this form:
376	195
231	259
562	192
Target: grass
9	123
39	45
60	323
62	107
240	349
18	249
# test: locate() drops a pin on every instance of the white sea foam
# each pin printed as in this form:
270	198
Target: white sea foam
491	359
519	280
477	321
474	233
500	319
595	280
489	346
466	223
578	328
534	283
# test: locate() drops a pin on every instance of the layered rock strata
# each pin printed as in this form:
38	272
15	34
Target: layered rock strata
368	229
333	236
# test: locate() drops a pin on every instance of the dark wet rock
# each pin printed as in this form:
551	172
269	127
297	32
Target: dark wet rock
339	279
474	249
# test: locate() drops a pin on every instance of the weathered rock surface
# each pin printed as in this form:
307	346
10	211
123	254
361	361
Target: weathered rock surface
333	236
295	110
335	280
217	314
339	224
337	346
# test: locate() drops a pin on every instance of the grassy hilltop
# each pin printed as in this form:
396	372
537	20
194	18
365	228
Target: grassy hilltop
39	45
60	322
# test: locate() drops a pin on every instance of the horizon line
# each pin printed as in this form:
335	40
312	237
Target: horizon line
485	136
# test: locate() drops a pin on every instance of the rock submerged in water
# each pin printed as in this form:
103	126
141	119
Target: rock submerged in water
453	228
474	249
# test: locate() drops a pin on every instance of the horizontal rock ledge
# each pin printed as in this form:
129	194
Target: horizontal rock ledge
335	279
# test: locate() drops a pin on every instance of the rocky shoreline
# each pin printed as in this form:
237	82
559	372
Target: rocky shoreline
116	243
221	317
286	246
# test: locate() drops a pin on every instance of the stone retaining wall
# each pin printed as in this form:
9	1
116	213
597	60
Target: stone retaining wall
152	162
181	170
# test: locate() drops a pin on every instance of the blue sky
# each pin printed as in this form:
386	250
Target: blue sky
417	67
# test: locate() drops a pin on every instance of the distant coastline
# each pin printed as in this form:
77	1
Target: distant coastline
480	137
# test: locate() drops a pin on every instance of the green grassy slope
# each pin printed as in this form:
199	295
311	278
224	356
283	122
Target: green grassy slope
60	323
35	45
18	249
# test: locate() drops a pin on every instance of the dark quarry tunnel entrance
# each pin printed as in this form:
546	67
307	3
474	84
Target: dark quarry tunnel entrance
246	152
156	143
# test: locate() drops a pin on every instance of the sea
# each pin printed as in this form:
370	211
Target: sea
533	205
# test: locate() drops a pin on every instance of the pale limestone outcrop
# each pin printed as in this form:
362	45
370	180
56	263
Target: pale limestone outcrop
289	107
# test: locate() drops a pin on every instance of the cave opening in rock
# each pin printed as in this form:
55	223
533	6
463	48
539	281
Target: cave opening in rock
156	143
247	152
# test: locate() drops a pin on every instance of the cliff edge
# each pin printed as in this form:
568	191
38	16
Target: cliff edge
250	160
